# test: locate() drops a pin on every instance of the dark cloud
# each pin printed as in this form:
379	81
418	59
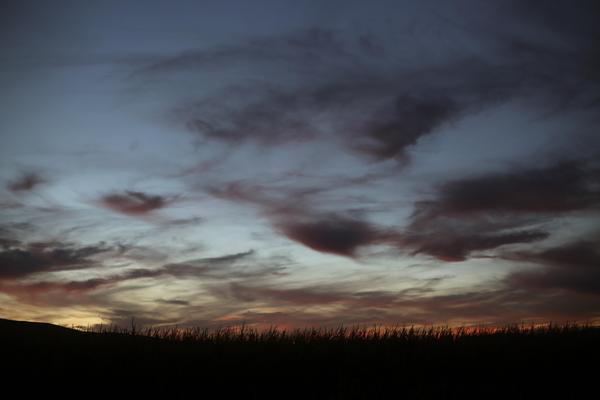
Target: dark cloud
359	90
39	288
25	259
488	211
555	44
370	114
174	302
330	234
134	203
568	186
8	243
290	213
226	259
573	266
431	230
327	85
467	215
390	132
26	182
456	245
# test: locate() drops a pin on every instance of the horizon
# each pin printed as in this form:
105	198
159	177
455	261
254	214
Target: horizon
177	332
300	163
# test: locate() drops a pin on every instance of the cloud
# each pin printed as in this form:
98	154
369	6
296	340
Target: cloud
467	215
264	115
503	305
25	183
247	293
174	302
367	113
8	243
141	254
567	186
101	292
21	260
379	105
573	266
370	105
232	266
134	203
185	221
37	289
394	129
291	213
491	304
296	48
311	296
57	292
364	93
492	210
50	295
329	234
576	23
18	263
431	230
226	259
456	245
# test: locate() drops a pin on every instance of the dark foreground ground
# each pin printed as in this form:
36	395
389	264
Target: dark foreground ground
559	362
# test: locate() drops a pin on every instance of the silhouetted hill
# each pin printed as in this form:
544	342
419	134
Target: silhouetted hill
26	329
512	363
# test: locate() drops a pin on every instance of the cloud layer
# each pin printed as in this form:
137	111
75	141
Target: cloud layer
422	162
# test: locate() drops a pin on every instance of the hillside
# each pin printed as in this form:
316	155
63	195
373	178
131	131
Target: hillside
511	363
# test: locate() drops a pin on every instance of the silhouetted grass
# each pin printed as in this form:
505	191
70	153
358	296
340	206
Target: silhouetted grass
365	363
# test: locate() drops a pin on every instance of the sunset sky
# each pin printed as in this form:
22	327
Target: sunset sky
299	163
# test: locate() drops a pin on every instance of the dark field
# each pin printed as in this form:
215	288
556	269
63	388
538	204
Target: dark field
513	362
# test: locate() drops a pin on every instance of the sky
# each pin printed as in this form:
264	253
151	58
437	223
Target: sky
299	163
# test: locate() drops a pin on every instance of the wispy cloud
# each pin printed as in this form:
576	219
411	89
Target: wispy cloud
32	261
312	296
573	266
20	259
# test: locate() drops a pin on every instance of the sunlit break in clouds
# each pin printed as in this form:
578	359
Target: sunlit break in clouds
300	163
